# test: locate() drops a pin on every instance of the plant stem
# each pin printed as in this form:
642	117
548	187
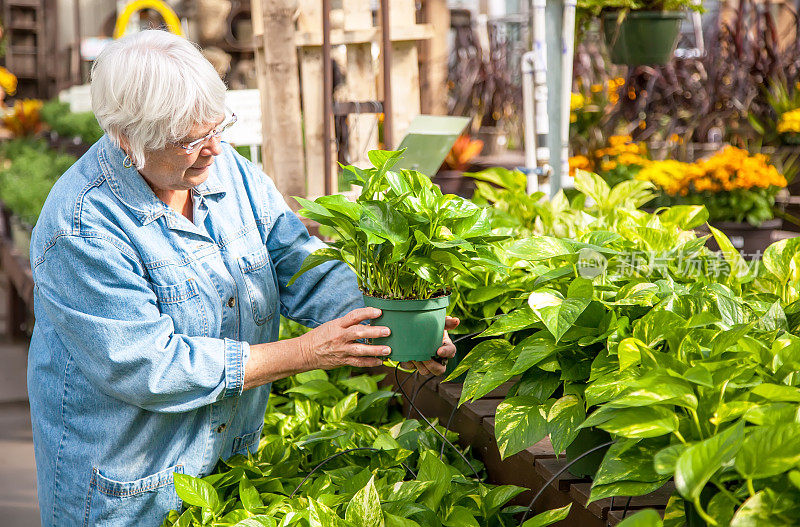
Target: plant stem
750	487
708	519
728	493
696	421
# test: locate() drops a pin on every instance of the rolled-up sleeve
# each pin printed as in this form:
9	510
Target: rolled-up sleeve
94	291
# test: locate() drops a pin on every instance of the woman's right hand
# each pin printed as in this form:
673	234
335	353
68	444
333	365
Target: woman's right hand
333	344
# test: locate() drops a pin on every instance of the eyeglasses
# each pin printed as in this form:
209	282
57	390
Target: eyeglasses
216	132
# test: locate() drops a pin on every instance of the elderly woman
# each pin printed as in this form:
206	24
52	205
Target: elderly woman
161	260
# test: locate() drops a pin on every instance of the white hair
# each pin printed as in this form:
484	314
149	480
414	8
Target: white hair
152	88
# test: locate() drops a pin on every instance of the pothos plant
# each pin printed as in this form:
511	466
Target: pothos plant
584	293
402	237
705	391
333	455
688	360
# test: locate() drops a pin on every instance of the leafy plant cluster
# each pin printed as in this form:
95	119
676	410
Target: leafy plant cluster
28	170
83	125
688	360
402	237
334	453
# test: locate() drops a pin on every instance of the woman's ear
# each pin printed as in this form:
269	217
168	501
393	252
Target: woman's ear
123	143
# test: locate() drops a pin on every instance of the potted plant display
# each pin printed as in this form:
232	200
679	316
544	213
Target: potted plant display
737	188
406	242
640	32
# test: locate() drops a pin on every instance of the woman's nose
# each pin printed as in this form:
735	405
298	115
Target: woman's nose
213	147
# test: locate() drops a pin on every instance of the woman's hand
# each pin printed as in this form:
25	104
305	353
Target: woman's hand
446	351
333	344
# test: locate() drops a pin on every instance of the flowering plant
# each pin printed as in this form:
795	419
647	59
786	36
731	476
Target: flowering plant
589	108
23	119
8	82
462	152
732	184
789	126
620	161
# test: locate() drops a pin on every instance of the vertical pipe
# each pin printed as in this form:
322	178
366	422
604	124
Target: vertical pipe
529	121
567	53
327	95
386	53
540	92
75	59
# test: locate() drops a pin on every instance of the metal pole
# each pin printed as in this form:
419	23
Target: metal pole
386	51
327	94
536	115
76	52
567	53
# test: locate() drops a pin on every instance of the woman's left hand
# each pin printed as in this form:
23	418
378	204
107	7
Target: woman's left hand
446	351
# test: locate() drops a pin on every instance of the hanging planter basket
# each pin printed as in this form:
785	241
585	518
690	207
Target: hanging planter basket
641	37
417	326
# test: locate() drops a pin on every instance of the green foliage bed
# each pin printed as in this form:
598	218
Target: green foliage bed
621	321
28	170
388	472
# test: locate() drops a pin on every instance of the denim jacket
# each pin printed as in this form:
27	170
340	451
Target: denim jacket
143	325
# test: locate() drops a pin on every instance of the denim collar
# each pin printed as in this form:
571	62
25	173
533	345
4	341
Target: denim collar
131	189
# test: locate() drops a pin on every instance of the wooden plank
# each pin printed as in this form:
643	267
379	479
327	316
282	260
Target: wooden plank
357	15
580	493
550	467
410	33
453	390
433	57
276	63
481	409
654	500
405	86
361	86
360	83
311	74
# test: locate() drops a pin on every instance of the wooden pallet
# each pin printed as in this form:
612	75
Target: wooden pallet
532	468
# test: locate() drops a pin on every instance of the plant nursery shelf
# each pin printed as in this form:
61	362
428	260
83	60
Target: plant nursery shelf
18	271
532	468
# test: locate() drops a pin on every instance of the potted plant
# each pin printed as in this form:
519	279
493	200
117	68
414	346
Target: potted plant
640	32
450	176
737	188
406	242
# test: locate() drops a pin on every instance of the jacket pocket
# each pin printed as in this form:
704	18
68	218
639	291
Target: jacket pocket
260	284
183	304
247	442
143	501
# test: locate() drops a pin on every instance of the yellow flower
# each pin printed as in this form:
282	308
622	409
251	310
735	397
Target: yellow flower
23	118
605	166
618	140
579	162
576	101
789	121
8	81
727	170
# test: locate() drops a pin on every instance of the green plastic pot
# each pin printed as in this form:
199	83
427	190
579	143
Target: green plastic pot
643	37
417	326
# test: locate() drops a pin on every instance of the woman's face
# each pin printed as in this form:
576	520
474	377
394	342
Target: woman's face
172	169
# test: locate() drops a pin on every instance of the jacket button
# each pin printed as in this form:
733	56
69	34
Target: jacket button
231	302
220	428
